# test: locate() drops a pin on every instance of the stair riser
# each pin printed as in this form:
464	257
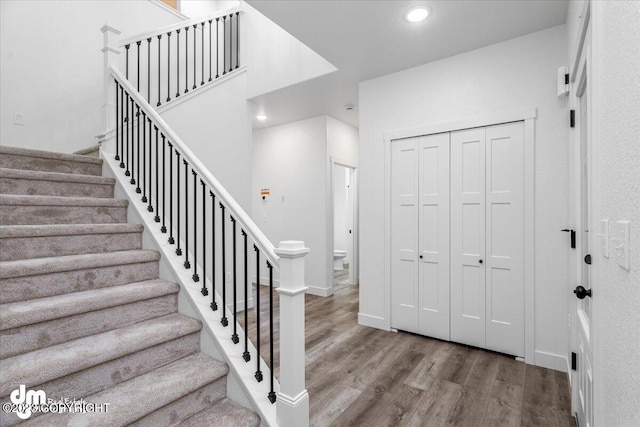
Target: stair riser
44	334
36	187
30	215
186	406
89	381
49	246
14	161
39	286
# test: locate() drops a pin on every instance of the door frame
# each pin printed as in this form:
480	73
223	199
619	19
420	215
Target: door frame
526	115
333	162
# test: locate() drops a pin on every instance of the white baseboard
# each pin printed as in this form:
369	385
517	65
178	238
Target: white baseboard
373	321
551	361
264	281
321	292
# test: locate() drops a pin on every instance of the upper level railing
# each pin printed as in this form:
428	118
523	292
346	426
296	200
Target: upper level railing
164	64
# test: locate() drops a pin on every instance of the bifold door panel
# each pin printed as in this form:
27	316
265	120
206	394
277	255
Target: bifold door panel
457	233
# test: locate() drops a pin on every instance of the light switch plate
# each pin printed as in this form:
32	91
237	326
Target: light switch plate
622	242
604	237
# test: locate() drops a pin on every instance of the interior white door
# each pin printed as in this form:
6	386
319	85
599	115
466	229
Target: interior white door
468	237
420	235
504	251
433	270
404	234
583	387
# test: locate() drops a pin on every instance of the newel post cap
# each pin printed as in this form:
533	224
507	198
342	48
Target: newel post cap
291	249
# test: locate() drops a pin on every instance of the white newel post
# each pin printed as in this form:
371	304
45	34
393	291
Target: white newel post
293	400
110	53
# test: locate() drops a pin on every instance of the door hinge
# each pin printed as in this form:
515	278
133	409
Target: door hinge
566	79
572	118
573	237
574	361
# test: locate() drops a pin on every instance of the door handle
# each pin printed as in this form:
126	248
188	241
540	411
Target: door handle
581	292
480	261
587	259
421	256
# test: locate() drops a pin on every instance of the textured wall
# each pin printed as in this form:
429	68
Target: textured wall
513	74
616	58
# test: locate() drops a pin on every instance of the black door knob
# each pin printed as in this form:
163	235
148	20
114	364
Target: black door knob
420	256
587	259
480	261
581	292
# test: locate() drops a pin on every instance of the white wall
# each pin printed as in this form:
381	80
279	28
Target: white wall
198	8
616	127
276	58
339	208
513	74
290	161
51	67
216	125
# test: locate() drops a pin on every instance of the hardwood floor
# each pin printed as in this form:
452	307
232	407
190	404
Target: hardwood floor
360	376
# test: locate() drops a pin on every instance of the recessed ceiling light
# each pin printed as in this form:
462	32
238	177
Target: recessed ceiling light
417	14
261	117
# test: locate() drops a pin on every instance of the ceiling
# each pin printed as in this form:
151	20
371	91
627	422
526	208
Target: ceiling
365	39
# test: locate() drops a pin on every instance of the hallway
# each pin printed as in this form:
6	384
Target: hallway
360	376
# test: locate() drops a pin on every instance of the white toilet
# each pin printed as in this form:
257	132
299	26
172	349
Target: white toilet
338	259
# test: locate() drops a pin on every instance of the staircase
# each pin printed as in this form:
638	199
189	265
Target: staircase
83	312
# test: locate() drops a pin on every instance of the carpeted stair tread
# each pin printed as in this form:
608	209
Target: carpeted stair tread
55	176
21	200
45	230
133	399
40	266
17	151
29	312
224	413
57	361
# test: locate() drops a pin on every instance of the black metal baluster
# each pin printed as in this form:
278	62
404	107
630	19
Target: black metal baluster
117	157
272	394
195	276
178	63
137	155
163	229
138	68
245	355
210	41
171	240
157	217
187	265
159	73
258	373
127	61
150	181
234	337
202	56
195	27
123	121
214	304
169	66
224	45
144	157
149	70
178	250
237	38
127	173
224	320
204	291
230	42
133	148
217	48
186	60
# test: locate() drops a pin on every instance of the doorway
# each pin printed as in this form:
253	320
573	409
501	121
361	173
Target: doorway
343	225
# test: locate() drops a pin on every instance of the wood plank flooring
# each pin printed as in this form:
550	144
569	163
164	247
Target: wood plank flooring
360	376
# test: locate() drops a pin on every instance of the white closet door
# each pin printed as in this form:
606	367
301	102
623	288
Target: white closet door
404	234
433	269
504	261
468	237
